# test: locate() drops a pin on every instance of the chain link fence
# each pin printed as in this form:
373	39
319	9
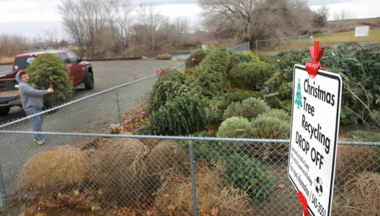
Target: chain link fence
241	47
156	175
286	43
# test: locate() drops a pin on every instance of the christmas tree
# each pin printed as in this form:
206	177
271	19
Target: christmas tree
50	71
299	95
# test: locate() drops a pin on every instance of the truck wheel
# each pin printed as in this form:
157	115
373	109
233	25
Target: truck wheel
89	81
4	111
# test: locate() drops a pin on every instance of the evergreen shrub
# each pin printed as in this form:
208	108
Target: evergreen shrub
209	77
240	57
286	90
274	103
249	175
216	110
164	90
252	75
46	71
270	59
195	59
233	127
248	108
181	115
239	96
273	84
274	124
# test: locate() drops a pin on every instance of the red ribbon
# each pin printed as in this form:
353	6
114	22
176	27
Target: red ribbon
316	55
303	202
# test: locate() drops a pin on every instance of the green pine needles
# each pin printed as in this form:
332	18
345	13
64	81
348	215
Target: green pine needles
182	115
176	109
209	77
166	89
50	71
252	75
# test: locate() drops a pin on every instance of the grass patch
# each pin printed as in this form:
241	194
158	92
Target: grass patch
346	37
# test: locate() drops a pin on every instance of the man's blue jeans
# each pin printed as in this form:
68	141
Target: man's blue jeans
36	122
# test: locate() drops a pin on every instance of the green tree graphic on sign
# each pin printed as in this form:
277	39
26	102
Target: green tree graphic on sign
299	95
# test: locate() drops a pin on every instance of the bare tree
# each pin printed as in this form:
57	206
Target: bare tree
182	24
52	38
11	45
84	20
63	44
320	17
255	19
344	14
109	27
151	19
124	19
226	17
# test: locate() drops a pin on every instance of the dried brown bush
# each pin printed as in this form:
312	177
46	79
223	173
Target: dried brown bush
363	193
213	197
118	170
150	143
353	160
165	160
52	171
165	56
341	207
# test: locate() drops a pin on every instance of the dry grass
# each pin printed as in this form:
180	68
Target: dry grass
6	60
54	170
374	35
118	170
353	160
213	197
363	194
165	56
165	160
150	143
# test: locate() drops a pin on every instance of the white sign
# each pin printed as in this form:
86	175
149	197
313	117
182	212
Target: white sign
361	31
314	136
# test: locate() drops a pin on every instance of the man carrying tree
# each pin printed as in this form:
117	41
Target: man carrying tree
32	102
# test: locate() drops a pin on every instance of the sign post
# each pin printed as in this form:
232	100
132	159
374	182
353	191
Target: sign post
314	135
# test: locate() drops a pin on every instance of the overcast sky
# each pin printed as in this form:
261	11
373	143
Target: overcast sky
29	17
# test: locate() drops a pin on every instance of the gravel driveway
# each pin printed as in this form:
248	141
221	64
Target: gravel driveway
107	74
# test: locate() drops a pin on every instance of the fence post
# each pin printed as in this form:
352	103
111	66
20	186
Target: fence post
2	189
118	106
193	178
257	46
275	43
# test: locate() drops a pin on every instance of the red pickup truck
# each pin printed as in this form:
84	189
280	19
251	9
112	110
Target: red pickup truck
80	70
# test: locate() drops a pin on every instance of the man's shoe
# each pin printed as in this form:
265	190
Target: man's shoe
41	142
